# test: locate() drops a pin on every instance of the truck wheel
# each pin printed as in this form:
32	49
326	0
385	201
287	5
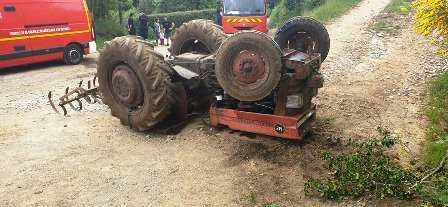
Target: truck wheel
198	36
73	54
135	83
295	32
248	66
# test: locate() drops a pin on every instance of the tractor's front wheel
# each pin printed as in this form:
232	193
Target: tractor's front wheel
135	82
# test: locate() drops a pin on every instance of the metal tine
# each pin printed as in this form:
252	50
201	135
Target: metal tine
96	99
78	92
64	109
87	98
52	103
94	81
76	95
65	98
80	105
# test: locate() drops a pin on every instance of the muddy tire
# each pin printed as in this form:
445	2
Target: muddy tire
197	36
295	31
135	82
248	66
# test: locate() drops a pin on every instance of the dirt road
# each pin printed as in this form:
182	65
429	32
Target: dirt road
89	159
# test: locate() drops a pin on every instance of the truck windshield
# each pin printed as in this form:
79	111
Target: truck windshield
244	7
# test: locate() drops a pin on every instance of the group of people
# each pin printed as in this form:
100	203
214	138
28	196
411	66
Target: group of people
162	29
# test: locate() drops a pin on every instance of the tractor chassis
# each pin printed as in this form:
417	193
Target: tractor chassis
289	120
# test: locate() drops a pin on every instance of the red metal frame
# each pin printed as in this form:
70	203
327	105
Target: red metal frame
288	127
284	122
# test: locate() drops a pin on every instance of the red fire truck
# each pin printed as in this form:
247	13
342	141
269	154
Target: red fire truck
44	30
243	15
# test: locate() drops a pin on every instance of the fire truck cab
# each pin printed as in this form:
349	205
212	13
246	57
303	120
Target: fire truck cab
236	15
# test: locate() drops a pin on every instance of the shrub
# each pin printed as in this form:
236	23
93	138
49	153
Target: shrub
282	12
109	27
181	17
432	19
365	170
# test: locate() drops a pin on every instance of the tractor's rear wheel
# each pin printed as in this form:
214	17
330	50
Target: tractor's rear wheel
303	33
248	66
197	36
135	82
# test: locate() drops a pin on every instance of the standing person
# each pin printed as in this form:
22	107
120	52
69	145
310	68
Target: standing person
143	25
157	31
131	25
168	27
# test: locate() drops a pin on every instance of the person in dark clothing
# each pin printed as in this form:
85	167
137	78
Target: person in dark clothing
167	27
157	31
219	15
131	25
143	25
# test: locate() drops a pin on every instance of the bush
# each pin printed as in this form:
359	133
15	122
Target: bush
311	4
181	17
365	170
331	9
109	28
283	12
323	10
432	19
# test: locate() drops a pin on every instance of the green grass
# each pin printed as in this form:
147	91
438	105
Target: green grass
332	9
383	26
437	113
399	7
100	40
329	10
272	205
436	190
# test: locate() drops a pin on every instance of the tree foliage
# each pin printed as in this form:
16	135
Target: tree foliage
432	20
184	5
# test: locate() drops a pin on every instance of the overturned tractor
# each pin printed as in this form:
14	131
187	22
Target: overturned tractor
247	81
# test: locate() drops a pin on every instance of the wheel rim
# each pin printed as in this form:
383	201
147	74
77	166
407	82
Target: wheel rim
249	69
303	41
126	86
74	55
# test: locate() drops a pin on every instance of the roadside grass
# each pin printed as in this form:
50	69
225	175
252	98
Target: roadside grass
437	113
328	10
331	9
436	148
390	21
384	26
368	169
399	7
100	40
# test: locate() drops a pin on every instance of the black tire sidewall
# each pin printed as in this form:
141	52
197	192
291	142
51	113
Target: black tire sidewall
67	57
117	54
205	31
273	63
308	25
